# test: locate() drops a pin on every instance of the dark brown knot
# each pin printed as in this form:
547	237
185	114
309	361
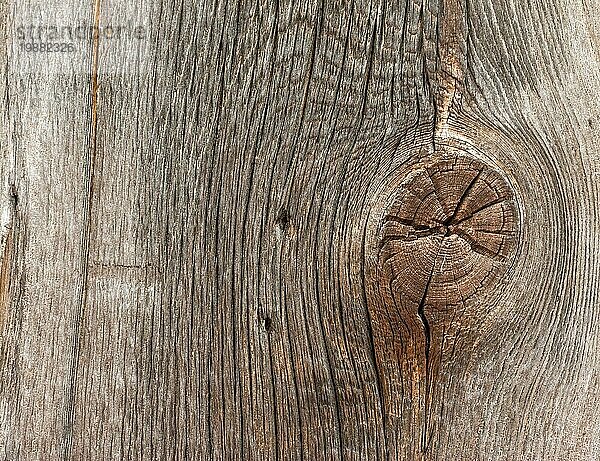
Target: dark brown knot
448	232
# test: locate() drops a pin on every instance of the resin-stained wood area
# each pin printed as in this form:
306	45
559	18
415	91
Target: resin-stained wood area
283	230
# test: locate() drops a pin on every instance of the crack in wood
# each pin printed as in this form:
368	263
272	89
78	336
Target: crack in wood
87	239
464	195
427	334
438	251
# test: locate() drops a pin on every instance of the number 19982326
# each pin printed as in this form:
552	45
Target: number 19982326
47	47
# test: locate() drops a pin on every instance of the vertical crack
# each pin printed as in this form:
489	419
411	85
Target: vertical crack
427	334
69	421
415	233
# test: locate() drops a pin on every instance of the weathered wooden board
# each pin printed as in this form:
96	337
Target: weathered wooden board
300	230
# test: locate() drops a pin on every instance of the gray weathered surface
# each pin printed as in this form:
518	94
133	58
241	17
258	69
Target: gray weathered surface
187	248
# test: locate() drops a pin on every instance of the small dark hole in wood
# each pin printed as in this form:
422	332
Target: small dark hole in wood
267	323
283	219
13	195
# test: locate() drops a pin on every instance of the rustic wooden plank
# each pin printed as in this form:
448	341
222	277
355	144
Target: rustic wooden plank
46	146
208	243
115	404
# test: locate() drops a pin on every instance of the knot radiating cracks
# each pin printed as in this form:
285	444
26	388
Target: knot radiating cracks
448	233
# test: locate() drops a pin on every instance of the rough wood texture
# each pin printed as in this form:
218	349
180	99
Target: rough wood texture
198	246
444	241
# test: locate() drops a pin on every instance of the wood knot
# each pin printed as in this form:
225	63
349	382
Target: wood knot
449	231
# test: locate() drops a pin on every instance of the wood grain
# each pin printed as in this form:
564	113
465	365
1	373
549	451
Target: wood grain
193	266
